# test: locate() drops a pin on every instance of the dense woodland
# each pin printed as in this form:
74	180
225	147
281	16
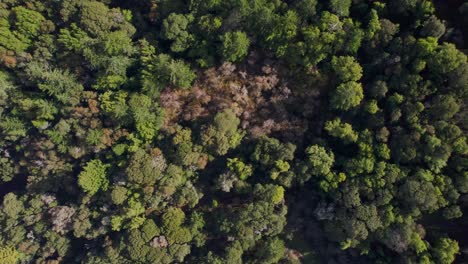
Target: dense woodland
233	131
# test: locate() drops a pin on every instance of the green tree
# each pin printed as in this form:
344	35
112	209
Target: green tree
162	70
433	27
347	95
445	249
270	251
223	133
9	255
344	131
146	114
444	107
12	206
346	68
271	193
119	194
269	150
93	177
242	170
180	74
340	7
175	28
145	169
320	160
446	58
235	46
60	84
306	8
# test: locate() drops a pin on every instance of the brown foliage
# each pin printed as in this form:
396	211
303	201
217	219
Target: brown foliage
259	100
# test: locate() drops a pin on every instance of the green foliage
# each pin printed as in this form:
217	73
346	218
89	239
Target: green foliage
242	170
94	177
9	255
223	133
347	95
339	122
8	40
96	18
340	7
119	195
12	128
276	30
269	150
57	83
180	74
270	193
344	131
12	206
270	251
445	59
320	160
235	46
7	169
307	9
146	114
346	68
27	22
145	169
175	28
162	70
445	250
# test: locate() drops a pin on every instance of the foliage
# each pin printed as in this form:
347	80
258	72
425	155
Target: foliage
94	177
223	134
235	46
347	95
9	255
242	131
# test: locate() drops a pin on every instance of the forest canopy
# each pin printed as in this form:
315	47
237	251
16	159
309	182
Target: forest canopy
235	131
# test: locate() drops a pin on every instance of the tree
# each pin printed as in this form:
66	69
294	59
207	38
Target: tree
433	27
446	58
96	18
146	114
271	193
119	194
346	96
162	70
172	221
235	46
340	7
306	8
346	68
7	169
320	160
270	251
374	24
12	206
344	131
223	133
145	169
378	89
60	84
242	170
175	28
269	150
93	177
420	194
276	31
444	107
9	255
27	23
180	74
445	250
